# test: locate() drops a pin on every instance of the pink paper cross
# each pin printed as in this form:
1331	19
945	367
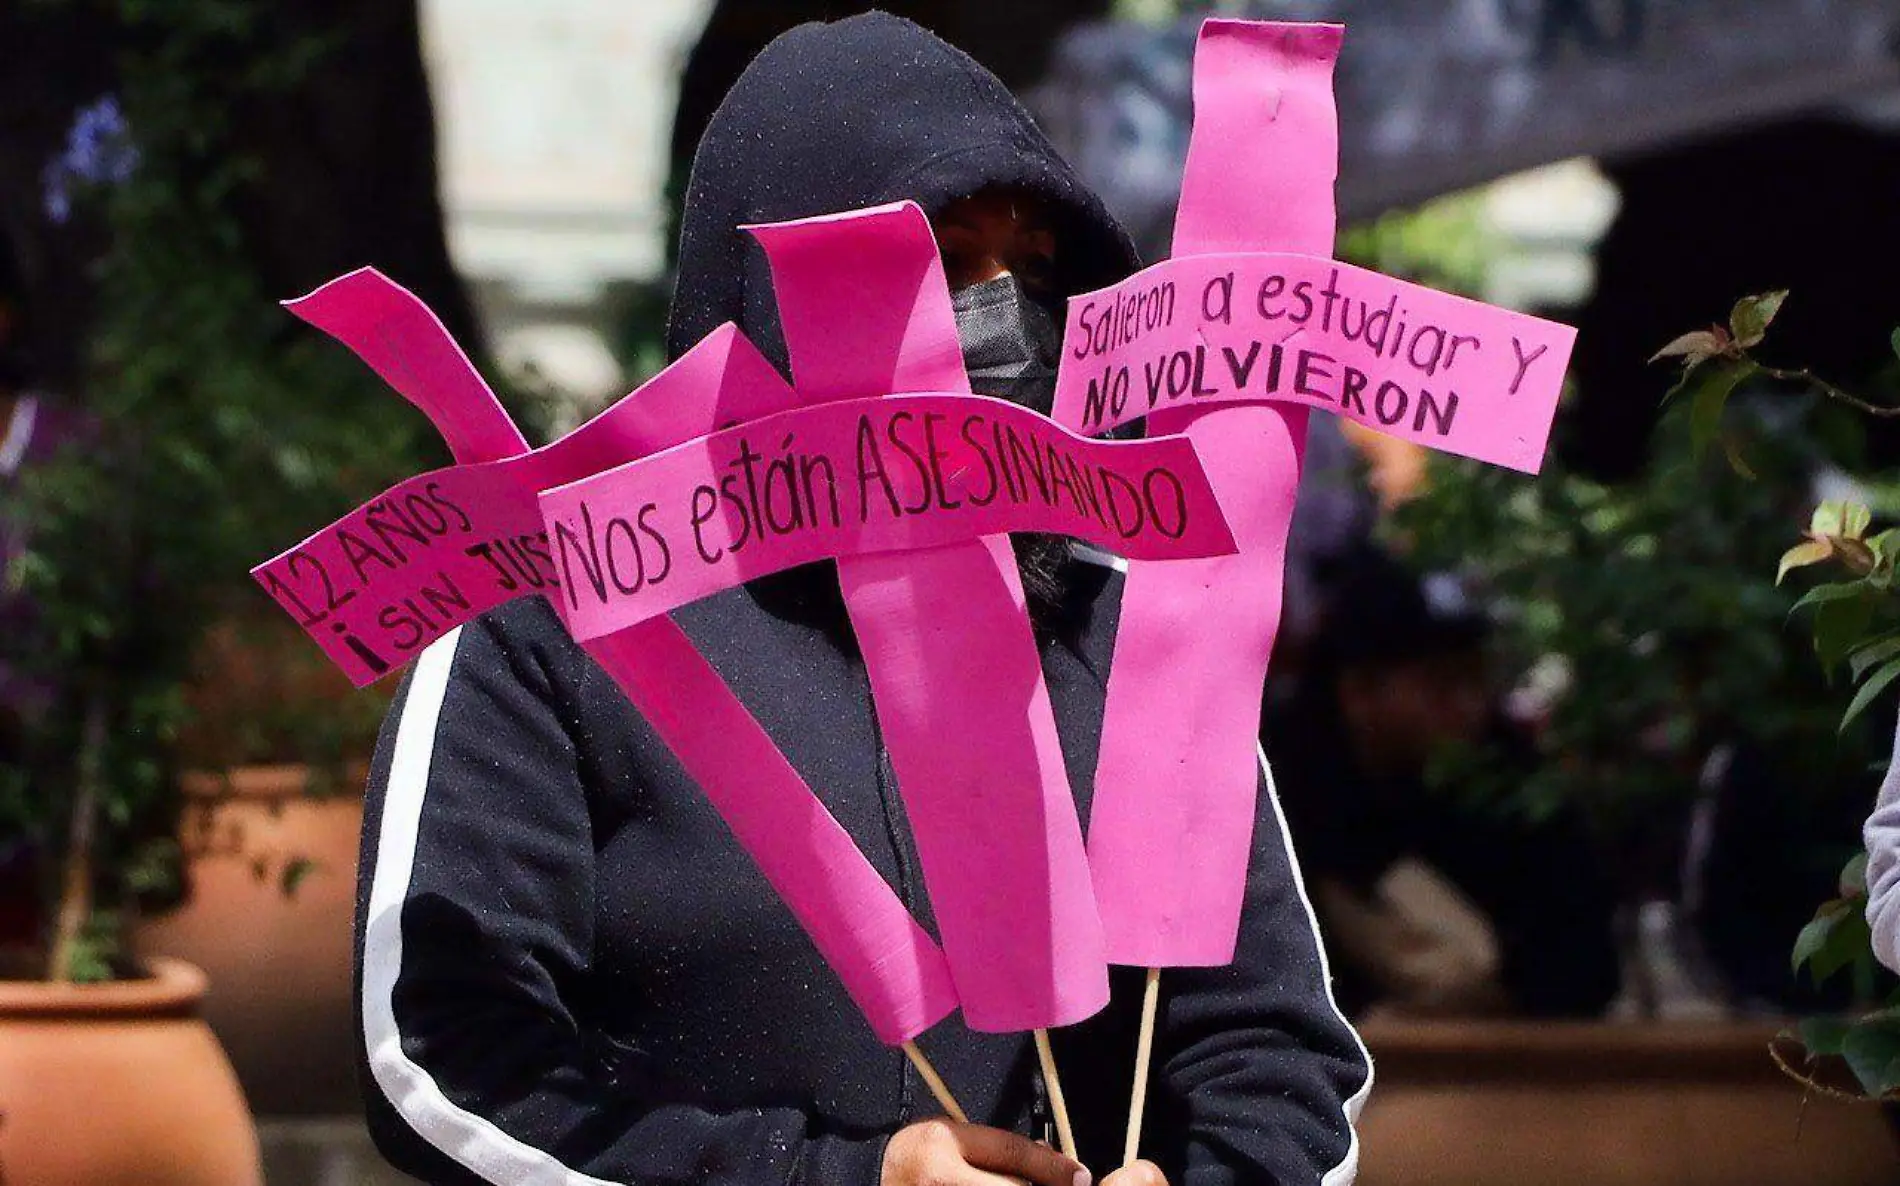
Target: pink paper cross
490	548
912	493
1232	343
953	665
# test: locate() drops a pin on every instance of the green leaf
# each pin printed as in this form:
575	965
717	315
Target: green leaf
1882	545
1855	519
1823	1035
1709	388
1814	936
1750	318
1895	342
295	870
1807	552
1872	653
1824	594
1732	449
1870	691
1828	517
1853	880
1840	626
1872	1051
1847	944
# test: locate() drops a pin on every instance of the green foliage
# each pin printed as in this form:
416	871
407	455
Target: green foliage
1871	1047
1823	1035
218	431
1715	362
1845	612
1750	318
1708	390
96	955
1837	941
1657	597
1853	624
294	872
1445	244
1664	599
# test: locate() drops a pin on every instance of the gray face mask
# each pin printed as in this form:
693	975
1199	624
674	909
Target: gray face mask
1011	344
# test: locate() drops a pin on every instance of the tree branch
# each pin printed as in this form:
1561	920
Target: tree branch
1804	375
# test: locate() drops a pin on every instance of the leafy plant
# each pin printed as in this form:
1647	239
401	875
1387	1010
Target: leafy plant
214	432
1853	626
1847	614
1645	619
1838	941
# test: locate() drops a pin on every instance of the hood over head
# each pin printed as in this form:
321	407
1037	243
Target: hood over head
861	112
853	113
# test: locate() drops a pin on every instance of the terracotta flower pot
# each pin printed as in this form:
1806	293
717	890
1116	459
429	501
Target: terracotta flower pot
279	963
119	1084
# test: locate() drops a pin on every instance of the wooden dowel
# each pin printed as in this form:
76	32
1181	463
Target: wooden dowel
1144	1052
937	1086
1064	1133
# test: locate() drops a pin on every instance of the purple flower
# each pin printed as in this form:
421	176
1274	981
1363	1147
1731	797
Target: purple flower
99	151
99	146
57	195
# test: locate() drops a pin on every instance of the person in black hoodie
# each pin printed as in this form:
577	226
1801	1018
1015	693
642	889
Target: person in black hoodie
570	972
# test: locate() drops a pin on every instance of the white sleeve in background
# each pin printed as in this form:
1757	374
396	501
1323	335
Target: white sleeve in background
1882	834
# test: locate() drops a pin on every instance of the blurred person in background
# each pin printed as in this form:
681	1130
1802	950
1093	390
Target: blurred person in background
1430	904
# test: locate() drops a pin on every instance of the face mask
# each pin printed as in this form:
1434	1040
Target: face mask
1011	344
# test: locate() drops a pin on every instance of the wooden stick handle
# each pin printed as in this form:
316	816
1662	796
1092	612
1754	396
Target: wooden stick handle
1144	1053
938	1087
1064	1133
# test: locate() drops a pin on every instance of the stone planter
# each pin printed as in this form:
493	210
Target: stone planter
119	1084
1555	1104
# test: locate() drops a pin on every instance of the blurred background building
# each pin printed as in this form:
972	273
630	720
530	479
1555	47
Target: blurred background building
555	122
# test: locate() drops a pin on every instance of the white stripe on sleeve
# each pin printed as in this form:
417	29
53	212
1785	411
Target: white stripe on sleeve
473	1141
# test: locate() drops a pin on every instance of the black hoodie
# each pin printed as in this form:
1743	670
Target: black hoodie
569	972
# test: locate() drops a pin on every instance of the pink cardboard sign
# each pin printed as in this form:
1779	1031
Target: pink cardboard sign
397	573
444	547
406	343
1241	335
1171	829
1449	373
889	965
953	665
874	475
